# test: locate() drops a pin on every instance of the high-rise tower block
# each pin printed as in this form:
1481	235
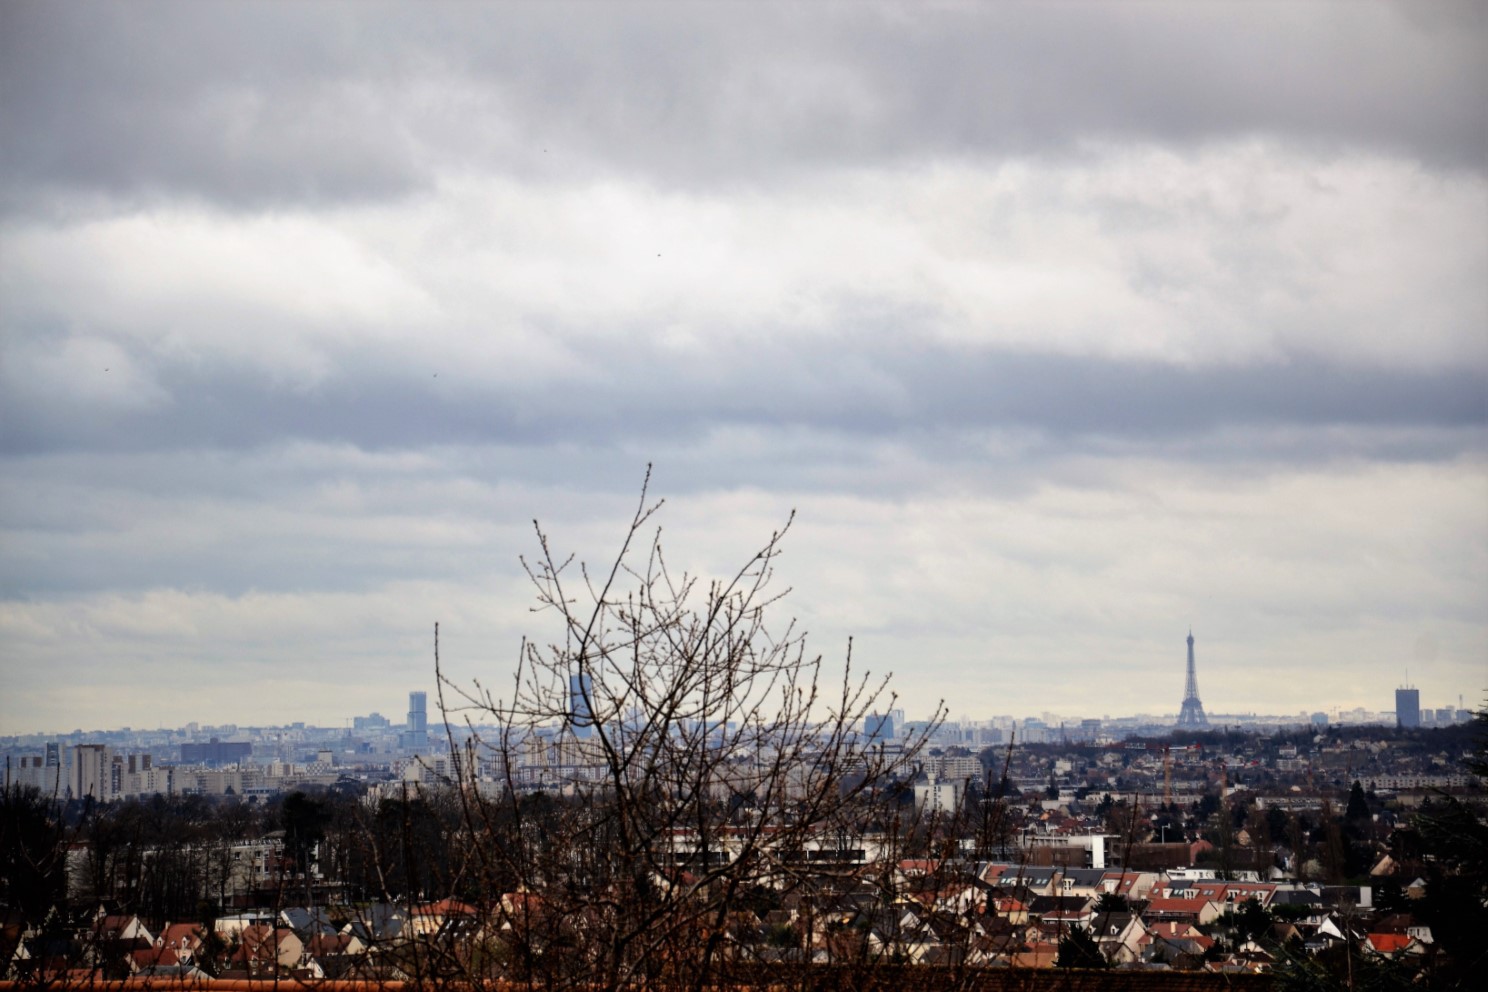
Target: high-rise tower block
1407	707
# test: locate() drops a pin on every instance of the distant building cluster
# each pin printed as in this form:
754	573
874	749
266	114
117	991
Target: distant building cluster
263	761
193	760
1409	713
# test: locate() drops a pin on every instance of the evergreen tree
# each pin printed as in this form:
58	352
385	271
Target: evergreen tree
33	868
1077	949
1252	922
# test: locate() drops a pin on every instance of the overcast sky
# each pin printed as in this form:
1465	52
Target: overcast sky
1063	327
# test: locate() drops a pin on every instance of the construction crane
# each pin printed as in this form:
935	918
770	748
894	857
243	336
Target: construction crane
1167	777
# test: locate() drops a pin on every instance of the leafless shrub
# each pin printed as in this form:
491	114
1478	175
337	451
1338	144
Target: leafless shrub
668	763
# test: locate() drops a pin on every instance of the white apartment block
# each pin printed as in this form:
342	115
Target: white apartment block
92	772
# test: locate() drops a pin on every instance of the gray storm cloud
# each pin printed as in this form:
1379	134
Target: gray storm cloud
332	102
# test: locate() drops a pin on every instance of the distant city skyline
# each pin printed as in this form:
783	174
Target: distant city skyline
1420	706
1060	328
1425	715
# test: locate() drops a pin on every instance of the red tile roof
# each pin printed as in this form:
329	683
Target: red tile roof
1389	943
146	957
445	908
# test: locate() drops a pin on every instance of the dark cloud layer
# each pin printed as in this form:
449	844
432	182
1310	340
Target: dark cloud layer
887	390
295	103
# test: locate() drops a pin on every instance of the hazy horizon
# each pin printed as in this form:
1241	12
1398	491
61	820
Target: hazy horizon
1051	721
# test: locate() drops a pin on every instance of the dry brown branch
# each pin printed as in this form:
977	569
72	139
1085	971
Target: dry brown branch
667	758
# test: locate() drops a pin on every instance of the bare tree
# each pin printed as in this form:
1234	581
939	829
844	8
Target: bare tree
657	766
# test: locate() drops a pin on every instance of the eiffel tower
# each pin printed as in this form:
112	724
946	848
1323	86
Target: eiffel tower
1192	713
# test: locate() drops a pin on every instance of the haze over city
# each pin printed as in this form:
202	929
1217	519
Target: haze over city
1063	329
